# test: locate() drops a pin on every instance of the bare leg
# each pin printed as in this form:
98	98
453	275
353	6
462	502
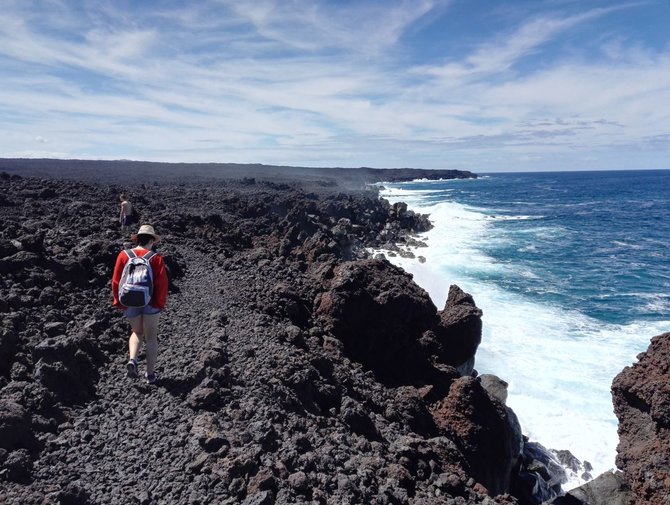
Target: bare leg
151	340
135	339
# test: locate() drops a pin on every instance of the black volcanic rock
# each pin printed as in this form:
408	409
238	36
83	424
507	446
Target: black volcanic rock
379	314
606	489
17	466
65	365
14	425
8	341
459	331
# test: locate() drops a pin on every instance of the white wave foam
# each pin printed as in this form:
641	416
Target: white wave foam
659	304
626	244
499	217
397	193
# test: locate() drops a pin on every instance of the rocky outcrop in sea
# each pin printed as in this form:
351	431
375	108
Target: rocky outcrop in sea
293	367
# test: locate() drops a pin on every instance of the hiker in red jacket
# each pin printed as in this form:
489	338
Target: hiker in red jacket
142	316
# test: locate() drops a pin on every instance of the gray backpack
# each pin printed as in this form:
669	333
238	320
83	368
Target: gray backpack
137	280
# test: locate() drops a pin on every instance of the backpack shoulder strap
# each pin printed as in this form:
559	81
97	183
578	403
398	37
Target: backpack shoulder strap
149	255
130	253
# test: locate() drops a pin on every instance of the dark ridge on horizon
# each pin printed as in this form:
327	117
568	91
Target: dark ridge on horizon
113	170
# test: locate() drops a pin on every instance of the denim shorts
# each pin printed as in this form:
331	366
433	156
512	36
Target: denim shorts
131	312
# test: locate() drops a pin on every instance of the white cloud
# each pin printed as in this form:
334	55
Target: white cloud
307	82
365	28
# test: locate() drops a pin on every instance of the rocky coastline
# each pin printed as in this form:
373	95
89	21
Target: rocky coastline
293	367
111	171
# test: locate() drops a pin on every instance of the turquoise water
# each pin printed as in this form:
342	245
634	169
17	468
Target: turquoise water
572	272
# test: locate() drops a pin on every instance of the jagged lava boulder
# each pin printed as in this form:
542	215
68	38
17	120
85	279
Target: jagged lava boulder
379	313
388	323
486	432
459	330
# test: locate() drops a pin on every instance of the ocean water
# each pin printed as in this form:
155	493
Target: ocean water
572	272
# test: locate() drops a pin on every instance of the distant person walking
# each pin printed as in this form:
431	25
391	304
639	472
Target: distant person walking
139	286
127	216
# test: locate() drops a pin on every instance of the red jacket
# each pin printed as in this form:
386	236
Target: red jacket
159	297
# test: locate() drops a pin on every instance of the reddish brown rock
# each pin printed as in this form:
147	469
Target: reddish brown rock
641	396
483	430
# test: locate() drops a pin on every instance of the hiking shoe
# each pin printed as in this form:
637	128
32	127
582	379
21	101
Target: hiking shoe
131	368
150	378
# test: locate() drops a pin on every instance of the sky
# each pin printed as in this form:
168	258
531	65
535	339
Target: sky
481	85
